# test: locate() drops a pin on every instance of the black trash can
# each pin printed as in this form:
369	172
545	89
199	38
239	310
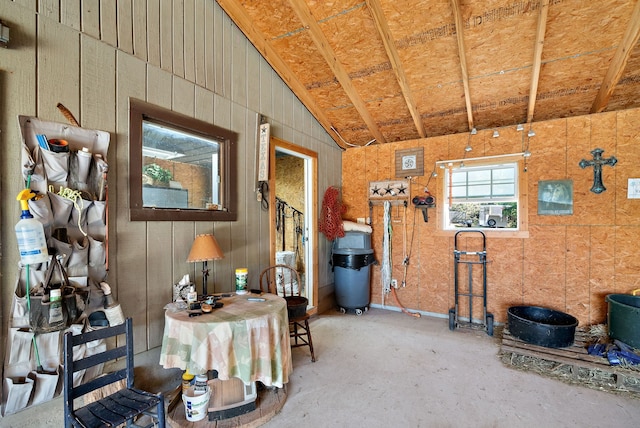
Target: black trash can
352	272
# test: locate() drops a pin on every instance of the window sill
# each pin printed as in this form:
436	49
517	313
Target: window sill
489	233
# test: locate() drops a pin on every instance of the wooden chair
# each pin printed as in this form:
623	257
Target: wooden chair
284	281
115	409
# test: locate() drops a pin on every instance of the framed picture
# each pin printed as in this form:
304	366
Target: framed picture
410	162
555	197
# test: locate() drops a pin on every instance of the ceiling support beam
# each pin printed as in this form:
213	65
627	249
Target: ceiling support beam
321	42
618	62
457	15
537	57
241	19
396	64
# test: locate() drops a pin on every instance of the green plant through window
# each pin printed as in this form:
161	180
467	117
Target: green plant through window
157	173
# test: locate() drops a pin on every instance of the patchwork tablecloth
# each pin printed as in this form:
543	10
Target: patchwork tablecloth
244	339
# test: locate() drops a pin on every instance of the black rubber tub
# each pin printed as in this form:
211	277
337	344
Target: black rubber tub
542	326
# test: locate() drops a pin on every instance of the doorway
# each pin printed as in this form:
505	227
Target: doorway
293	213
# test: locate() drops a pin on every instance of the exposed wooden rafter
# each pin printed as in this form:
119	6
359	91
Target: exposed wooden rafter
537	58
237	13
619	61
396	64
385	71
321	42
457	15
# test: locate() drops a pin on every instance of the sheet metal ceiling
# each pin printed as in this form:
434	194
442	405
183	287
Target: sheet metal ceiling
379	71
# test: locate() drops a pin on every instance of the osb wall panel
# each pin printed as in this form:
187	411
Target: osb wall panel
602	269
568	263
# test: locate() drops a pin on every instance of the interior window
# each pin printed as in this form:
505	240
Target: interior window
180	168
484	196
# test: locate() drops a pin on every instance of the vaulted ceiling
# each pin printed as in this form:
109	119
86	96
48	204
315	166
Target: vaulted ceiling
378	71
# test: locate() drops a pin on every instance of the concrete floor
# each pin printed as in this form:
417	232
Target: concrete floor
387	369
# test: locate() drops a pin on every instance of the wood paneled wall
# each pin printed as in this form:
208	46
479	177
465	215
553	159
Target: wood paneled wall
184	55
569	263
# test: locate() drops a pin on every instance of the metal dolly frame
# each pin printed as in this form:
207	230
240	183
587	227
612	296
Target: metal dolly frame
454	319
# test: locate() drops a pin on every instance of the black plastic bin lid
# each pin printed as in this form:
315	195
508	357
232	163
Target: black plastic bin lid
352	258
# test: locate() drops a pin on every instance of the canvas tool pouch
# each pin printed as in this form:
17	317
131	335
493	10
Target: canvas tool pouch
46	316
17	391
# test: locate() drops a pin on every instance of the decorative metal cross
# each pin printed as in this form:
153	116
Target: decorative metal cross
596	163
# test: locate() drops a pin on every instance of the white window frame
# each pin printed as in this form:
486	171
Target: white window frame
520	198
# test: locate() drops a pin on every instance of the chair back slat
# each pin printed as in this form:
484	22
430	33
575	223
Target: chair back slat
100	333
102	357
99	382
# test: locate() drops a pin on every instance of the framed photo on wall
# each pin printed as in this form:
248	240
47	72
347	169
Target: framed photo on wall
555	197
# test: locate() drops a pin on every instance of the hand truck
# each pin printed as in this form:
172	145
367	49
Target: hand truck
470	258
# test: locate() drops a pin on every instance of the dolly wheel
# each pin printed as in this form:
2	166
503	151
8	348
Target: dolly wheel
358	311
452	319
490	324
342	310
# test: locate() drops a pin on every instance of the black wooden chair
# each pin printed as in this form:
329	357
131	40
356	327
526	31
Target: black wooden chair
118	408
284	281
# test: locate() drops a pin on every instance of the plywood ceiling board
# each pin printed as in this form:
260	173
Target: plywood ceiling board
499	36
345	118
446	122
393	118
627	91
325	10
300	54
432	63
501	99
364	59
579	74
415	21
581	27
330	96
384	99
273	18
498	116
355	40
341	113
354	137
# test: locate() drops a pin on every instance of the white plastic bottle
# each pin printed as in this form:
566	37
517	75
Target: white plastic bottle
32	242
56	316
192	295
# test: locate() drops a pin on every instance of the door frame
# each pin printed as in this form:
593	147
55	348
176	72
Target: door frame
311	212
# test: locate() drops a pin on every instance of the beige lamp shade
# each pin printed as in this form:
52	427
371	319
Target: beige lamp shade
205	247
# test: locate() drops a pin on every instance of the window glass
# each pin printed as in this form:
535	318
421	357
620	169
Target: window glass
482	196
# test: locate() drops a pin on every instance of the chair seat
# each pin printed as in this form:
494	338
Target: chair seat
116	408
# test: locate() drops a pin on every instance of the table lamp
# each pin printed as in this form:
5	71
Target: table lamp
204	248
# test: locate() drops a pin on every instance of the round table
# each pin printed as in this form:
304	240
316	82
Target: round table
244	339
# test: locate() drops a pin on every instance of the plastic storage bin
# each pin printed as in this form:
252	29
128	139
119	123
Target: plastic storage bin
352	271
